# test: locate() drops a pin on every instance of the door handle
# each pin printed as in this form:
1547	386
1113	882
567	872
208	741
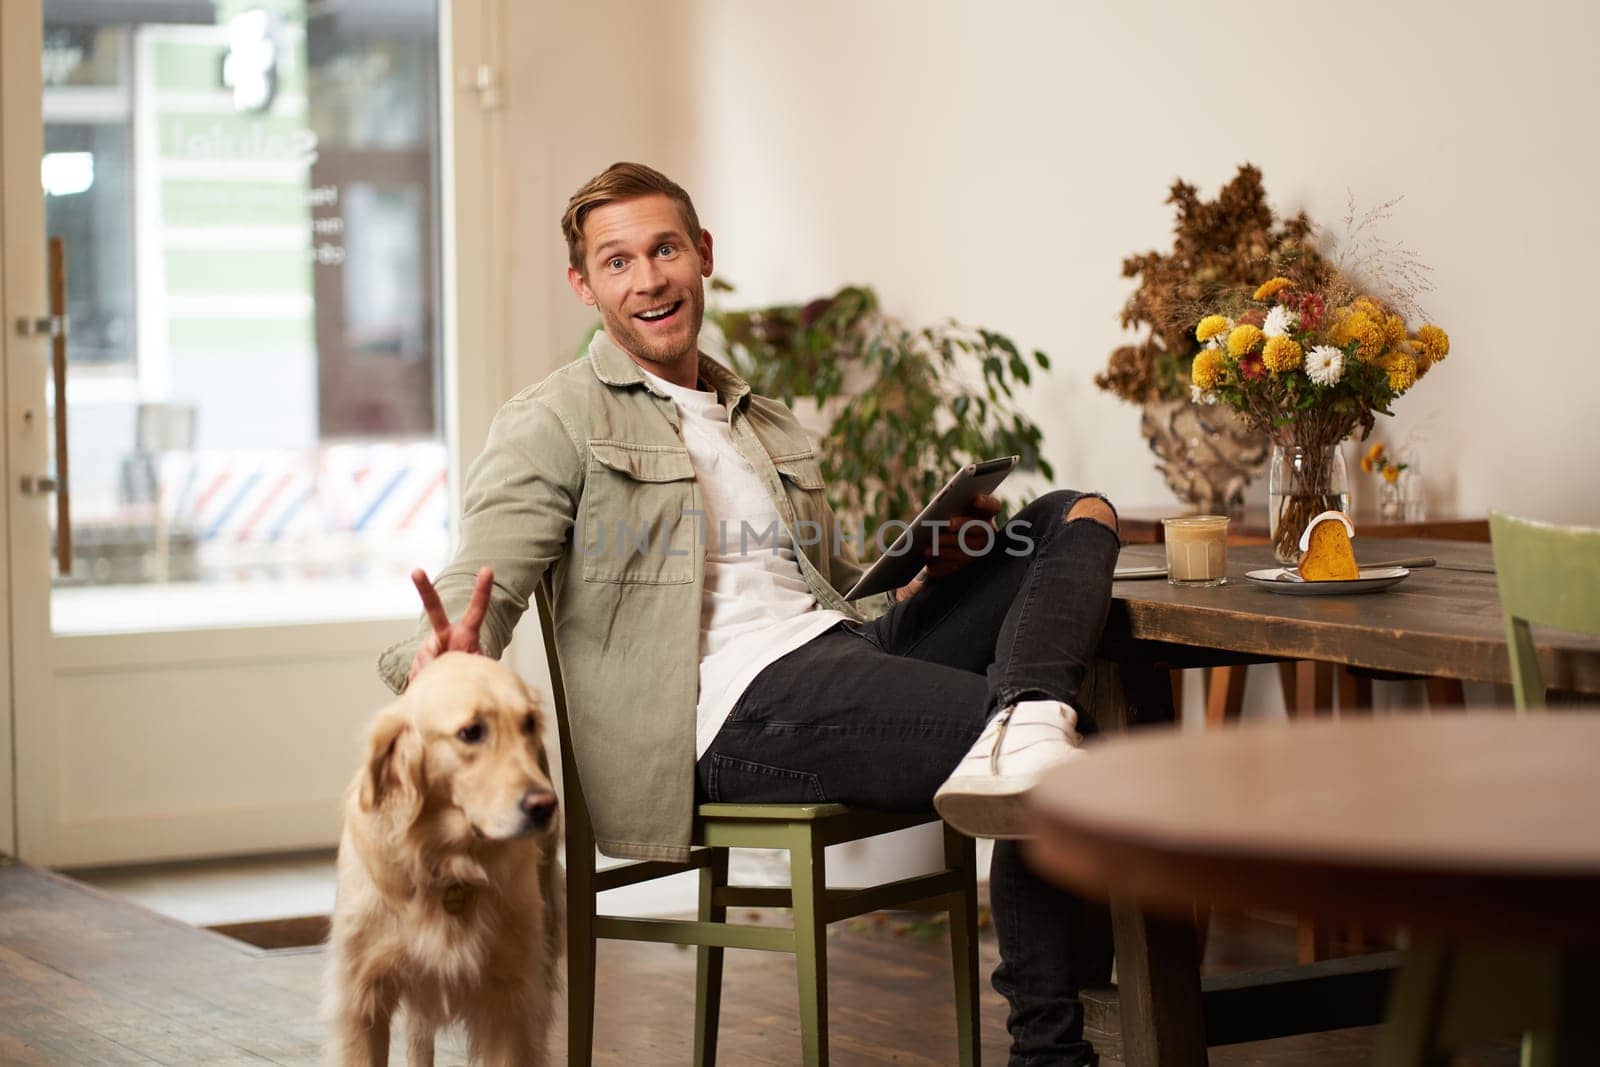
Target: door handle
58	367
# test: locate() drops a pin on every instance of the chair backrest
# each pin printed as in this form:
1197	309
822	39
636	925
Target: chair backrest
1548	575
579	830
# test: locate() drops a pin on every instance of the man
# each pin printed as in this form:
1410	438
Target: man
703	656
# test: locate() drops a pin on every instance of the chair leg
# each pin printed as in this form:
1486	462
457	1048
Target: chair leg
1225	695
580	959
1417	1001
1312	940
1355	692
1445	693
1287	682
708	964
1313	689
961	853
808	888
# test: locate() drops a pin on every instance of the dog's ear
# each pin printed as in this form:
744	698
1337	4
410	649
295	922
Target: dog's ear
394	761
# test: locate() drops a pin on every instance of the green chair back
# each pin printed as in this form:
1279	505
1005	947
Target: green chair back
806	831
1549	576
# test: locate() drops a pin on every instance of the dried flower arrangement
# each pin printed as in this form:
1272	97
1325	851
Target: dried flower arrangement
1217	244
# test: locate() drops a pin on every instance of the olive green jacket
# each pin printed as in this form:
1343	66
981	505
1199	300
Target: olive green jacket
585	483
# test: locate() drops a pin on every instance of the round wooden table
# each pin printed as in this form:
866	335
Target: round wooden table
1446	822
1480	828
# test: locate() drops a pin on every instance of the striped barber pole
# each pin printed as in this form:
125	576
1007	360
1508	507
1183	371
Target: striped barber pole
243	497
382	490
375	492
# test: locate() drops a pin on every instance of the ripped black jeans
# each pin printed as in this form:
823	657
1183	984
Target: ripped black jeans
878	715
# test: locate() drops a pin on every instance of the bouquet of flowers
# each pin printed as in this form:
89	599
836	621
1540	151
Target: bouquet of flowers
1309	367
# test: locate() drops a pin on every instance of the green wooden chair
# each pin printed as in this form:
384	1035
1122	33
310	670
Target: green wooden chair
1548	575
1449	994
805	830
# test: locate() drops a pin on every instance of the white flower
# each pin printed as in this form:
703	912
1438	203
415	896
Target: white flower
1199	396
1280	320
1325	364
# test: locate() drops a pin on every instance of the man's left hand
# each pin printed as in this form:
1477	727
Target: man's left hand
954	549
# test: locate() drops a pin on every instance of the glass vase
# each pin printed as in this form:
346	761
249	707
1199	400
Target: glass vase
1303	481
1391	499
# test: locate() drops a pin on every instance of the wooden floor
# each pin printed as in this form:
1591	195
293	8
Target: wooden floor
88	978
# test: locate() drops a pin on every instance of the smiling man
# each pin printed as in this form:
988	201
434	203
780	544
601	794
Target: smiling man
700	662
638	264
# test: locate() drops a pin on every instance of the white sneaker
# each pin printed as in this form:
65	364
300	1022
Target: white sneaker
985	796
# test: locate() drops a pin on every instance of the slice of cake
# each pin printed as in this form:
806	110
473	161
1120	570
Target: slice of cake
1325	552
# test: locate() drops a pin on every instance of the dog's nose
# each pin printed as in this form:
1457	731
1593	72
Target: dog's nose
537	806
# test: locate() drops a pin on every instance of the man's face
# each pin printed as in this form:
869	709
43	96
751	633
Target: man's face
645	274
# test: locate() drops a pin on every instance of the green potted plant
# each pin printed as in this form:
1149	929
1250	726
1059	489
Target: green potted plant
898	408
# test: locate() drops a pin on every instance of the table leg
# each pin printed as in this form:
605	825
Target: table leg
1158	958
1158	988
1313	696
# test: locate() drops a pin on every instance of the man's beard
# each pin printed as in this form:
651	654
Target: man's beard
626	331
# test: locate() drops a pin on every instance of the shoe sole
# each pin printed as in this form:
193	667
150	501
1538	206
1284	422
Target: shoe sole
987	808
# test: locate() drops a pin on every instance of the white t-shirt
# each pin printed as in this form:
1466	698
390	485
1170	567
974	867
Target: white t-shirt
756	606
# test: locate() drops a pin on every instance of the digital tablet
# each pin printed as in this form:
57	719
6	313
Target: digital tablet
903	559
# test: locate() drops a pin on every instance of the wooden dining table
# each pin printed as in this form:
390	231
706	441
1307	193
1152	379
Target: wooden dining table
1442	621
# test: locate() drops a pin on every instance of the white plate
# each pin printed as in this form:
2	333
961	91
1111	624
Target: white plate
1372	579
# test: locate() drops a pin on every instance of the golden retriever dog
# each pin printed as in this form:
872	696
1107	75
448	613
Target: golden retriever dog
449	901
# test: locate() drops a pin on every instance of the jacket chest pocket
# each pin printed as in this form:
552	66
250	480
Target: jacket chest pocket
631	523
801	476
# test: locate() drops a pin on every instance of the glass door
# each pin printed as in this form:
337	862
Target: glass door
247	194
248	201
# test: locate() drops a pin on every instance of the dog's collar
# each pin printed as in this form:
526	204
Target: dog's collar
456	897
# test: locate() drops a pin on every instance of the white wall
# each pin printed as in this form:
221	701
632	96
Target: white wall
995	162
586	85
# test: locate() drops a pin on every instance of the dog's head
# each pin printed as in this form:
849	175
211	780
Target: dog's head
466	734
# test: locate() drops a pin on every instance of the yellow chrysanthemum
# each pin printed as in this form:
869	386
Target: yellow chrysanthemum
1271	288
1402	372
1243	340
1391	474
1206	372
1339	327
1435	342
1370	308
1210	326
1394	331
1282	354
1369	462
1424	362
1361	327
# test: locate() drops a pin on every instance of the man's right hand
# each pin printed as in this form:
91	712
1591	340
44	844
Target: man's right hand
461	636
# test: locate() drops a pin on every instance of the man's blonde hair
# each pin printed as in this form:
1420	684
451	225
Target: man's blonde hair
620	181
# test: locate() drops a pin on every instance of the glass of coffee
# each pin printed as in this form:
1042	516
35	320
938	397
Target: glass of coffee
1197	549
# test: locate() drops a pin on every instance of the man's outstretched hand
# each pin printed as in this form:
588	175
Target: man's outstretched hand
447	636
